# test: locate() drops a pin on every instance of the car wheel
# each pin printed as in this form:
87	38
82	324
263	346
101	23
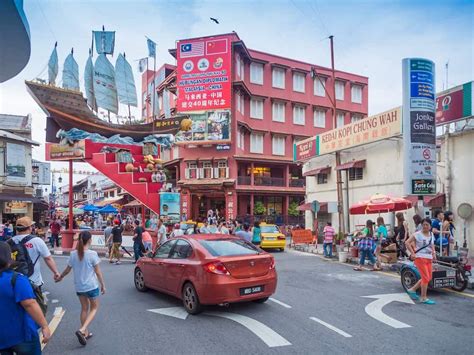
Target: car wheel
261	300
408	278
191	299
139	280
282	249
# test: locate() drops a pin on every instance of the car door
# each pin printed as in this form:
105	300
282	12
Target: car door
176	264
157	269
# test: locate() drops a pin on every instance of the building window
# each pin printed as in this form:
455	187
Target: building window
256	73
242	104
355	118
256	108
278	145
242	69
340	90
207	170
256	143
356	94
319	118
278	78
322	178
237	65
298	115
339	120
278	112
356	174
241	140
237	101
298	82
319	85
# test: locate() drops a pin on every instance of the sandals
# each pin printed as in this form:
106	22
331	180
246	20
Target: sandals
428	301
81	338
357	269
413	295
90	335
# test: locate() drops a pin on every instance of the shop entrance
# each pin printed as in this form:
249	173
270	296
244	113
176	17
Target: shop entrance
202	204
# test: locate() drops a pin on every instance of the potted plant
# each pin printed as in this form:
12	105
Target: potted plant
293	209
259	208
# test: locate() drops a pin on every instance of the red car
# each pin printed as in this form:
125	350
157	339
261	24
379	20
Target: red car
208	269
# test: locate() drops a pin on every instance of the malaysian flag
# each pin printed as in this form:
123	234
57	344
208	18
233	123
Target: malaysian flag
195	49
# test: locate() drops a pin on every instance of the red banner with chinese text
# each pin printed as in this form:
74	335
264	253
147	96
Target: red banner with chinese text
204	74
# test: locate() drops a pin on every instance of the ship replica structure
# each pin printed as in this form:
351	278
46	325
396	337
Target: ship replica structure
105	86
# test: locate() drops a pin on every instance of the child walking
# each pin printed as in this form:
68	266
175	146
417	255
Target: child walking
87	278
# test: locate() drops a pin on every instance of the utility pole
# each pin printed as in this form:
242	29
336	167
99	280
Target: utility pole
338	153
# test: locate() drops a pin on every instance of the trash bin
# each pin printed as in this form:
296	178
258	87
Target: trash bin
343	256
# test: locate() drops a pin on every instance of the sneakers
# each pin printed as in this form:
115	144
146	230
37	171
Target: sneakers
117	262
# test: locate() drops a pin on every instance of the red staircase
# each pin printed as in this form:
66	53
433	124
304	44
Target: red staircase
145	192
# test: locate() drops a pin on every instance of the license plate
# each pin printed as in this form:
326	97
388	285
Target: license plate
269	238
444	282
251	290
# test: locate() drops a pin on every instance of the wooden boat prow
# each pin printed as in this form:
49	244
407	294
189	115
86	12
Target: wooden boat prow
67	109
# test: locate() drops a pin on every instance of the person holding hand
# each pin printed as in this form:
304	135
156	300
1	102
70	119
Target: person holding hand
21	316
87	280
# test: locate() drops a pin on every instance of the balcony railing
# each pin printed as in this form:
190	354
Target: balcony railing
273	219
268	181
297	182
243	180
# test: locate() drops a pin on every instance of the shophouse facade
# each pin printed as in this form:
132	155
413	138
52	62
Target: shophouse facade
275	102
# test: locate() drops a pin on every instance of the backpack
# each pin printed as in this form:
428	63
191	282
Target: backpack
22	262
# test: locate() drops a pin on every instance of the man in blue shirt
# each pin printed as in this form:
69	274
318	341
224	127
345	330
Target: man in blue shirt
20	313
436	223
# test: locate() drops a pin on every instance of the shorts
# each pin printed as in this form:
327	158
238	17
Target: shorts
425	268
116	250
90	294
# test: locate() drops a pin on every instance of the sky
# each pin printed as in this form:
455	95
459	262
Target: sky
371	38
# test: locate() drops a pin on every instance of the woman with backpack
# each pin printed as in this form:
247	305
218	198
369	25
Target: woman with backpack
21	316
87	280
366	242
421	247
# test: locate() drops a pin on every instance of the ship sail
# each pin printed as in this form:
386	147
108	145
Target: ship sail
104	84
71	73
104	41
127	93
53	66
89	83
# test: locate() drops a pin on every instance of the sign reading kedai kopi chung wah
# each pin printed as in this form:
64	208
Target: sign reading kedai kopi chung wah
367	130
419	126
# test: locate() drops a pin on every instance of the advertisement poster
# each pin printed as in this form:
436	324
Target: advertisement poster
16	207
210	126
419	127
41	173
65	151
16	163
170	207
204	74
455	104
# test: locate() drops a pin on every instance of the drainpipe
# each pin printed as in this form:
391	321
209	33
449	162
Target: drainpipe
348	221
447	183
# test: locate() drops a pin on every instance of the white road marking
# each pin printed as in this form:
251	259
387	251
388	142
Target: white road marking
279	302
266	334
327	325
374	309
53	325
54	301
176	312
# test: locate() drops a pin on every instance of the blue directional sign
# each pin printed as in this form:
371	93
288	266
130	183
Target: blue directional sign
421	77
423	90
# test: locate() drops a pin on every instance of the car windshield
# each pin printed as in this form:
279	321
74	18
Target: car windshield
229	247
269	229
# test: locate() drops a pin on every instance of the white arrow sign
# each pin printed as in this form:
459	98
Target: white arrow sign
266	334
374	309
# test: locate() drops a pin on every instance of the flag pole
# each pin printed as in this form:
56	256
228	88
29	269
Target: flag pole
154	81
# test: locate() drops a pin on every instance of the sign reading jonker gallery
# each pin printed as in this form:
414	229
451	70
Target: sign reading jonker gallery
419	127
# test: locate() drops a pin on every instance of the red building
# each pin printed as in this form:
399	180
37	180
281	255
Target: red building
275	102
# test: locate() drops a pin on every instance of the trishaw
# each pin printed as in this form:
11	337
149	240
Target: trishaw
448	272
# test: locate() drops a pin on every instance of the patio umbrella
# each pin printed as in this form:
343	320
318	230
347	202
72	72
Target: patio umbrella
108	209
380	203
90	208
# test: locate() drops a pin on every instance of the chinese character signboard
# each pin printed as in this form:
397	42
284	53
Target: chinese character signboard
455	104
367	130
208	126
419	127
204	74
17	207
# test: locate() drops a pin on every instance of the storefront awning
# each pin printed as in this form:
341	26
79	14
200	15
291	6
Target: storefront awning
134	203
108	202
19	197
351	164
314	172
438	200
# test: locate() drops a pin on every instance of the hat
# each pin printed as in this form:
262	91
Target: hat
24	222
5	254
177	225
116	221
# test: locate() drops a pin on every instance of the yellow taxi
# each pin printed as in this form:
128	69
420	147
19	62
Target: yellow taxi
272	238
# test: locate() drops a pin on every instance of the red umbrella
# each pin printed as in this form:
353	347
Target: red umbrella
379	203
